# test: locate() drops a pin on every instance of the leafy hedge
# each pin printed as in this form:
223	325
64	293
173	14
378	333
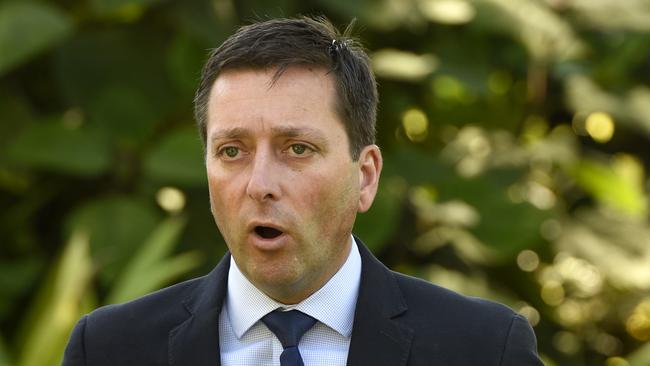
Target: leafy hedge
514	133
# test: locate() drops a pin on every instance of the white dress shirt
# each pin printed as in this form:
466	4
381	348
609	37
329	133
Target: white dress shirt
244	340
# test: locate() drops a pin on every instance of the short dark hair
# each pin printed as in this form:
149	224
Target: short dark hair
281	43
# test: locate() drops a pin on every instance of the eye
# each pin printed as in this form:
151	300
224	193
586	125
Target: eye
229	151
299	149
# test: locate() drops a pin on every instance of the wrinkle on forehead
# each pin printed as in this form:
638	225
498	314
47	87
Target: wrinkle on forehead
276	78
301	103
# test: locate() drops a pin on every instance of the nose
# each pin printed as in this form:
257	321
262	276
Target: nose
263	184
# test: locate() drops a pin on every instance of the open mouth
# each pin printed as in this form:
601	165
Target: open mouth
267	232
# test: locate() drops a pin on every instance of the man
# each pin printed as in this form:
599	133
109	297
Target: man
286	109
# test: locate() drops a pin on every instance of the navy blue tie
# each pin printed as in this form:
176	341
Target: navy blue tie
289	327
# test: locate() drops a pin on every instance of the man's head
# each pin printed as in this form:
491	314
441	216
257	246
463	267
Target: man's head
281	43
285	179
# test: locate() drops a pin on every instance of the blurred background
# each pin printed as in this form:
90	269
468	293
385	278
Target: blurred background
515	135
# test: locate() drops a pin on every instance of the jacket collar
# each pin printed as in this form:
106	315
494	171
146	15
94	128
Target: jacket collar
378	338
196	340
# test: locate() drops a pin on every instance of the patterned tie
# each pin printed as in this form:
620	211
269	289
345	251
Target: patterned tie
289	327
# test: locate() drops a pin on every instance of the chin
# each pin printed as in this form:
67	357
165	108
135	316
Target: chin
274	277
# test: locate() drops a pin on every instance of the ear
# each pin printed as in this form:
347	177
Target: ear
370	163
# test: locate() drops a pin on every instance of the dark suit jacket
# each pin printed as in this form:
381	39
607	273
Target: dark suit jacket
399	320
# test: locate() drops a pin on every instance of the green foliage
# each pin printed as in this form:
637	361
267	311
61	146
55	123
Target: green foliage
53	146
93	68
505	226
27	28
117	226
15	279
178	159
383	222
56	306
513	133
122	9
611	188
150	269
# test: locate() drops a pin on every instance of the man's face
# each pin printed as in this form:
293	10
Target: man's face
284	190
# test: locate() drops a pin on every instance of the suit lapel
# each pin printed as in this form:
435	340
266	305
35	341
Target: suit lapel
196	340
378	337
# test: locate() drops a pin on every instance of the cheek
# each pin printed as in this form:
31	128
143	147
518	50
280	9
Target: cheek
331	201
223	193
221	182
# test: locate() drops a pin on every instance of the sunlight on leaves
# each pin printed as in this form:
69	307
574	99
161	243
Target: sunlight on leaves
545	34
615	15
150	268
401	65
630	108
58	305
610	188
447	11
619	248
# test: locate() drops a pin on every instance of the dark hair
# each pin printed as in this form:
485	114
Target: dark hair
280	43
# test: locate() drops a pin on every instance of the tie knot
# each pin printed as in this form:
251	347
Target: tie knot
288	326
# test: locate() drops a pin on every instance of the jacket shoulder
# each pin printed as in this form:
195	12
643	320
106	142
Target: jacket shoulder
135	332
425	296
150	309
464	330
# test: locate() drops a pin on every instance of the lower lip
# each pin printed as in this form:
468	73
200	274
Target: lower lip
268	244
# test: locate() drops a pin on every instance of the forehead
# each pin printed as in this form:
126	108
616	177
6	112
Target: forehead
308	84
255	98
266	79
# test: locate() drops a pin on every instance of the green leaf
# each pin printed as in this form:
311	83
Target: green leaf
117	226
4	354
127	10
158	245
53	146
544	33
15	115
124	114
270	9
629	108
58	305
147	280
640	356
203	22
609	187
402	65
615	16
16	278
504	226
383	15
415	166
380	223
150	269
177	159
184	61
96	63
28	28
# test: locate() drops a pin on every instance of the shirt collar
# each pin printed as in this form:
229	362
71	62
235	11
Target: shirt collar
333	304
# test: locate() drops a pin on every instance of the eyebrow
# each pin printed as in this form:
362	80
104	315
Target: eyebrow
229	133
289	131
279	131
